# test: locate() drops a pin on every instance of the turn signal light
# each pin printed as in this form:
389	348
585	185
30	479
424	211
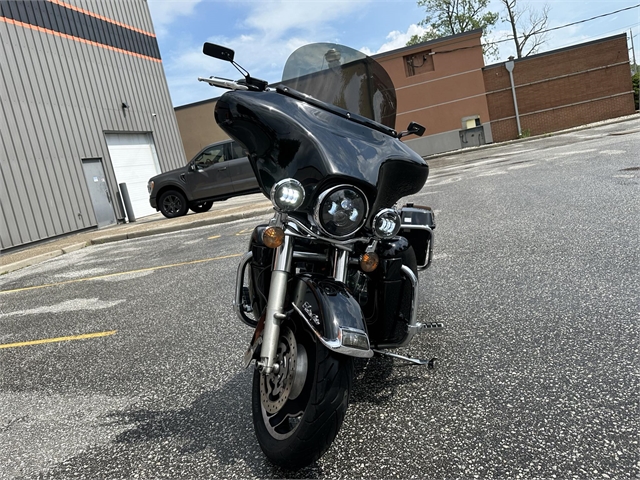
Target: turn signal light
273	237
369	262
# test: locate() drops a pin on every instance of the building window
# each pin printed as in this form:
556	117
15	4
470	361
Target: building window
471	122
417	63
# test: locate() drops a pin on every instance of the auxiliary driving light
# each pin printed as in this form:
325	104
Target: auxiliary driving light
369	262
287	195
273	237
387	223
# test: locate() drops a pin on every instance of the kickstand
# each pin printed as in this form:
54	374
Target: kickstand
431	364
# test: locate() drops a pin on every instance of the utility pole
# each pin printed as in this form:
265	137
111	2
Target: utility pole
509	66
633	52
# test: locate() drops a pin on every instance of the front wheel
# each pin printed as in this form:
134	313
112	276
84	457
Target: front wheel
173	204
298	411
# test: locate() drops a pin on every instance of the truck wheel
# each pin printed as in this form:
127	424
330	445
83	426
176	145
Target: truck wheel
173	204
201	207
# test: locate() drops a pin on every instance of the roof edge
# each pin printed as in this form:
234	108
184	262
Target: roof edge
427	43
558	50
195	104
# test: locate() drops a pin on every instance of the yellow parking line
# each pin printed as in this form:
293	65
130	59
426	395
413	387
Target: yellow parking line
58	339
213	237
246	231
66	282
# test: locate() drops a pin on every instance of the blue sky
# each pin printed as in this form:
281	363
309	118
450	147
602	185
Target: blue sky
264	33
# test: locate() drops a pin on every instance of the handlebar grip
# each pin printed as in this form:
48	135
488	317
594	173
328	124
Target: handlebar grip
223	83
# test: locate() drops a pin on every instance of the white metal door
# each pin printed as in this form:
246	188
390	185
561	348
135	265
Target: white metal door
134	160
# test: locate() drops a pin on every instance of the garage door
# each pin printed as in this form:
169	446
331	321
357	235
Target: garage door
134	160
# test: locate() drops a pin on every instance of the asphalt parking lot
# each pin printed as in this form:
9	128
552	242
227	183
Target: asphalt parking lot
138	371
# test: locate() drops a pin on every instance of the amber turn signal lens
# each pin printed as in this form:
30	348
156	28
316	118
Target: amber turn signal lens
273	237
369	262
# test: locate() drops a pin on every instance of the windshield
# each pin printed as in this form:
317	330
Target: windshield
343	77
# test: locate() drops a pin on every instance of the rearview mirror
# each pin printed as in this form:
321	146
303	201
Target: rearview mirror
218	51
413	129
416	129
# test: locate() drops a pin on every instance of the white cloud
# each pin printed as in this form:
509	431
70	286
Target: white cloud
278	18
270	31
262	59
164	12
397	39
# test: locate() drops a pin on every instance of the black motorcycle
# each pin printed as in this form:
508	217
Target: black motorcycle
334	274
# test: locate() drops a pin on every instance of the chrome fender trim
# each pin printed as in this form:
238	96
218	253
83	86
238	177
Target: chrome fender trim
332	314
335	344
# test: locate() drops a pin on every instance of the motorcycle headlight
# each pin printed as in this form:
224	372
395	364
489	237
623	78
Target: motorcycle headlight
341	211
287	195
386	223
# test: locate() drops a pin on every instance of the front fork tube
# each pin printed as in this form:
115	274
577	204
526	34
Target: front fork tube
340	265
275	306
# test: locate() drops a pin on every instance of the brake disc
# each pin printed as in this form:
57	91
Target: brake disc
275	388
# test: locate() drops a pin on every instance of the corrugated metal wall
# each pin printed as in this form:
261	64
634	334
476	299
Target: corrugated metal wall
65	70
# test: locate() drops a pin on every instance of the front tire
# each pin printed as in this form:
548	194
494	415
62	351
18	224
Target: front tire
298	413
173	204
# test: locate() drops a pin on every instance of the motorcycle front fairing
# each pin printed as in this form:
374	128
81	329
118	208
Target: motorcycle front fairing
290	138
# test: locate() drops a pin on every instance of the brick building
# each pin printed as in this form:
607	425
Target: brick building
561	89
439	84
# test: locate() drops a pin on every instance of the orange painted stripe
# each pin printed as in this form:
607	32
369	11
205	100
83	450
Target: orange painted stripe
91	14
77	39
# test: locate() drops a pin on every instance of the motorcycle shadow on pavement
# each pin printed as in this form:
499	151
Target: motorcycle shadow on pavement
212	437
375	381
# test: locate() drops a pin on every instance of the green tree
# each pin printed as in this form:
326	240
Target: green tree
449	17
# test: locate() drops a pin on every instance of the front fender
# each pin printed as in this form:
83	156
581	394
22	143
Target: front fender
331	312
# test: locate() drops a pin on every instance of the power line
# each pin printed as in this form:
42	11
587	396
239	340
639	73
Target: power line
544	31
602	34
571	24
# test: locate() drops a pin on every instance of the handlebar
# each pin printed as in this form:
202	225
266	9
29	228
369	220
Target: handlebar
223	83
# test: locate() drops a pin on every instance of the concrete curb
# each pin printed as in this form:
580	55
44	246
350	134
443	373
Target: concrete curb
186	226
116	237
74	247
30	261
